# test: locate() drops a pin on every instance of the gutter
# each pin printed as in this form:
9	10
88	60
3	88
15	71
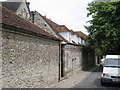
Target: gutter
25	32
28	7
73	44
33	15
59	76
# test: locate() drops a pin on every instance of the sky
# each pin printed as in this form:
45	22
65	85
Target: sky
71	13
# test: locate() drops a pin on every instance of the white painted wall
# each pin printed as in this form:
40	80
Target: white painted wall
83	42
69	37
79	40
66	35
75	38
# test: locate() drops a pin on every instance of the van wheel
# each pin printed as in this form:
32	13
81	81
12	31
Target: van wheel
102	83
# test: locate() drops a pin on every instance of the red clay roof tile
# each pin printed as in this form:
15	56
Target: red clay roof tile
81	34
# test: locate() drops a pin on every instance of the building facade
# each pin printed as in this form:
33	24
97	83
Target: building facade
38	20
20	7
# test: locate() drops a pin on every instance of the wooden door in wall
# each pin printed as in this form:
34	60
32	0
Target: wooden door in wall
74	65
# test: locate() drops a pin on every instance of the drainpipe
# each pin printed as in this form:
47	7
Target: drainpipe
59	78
33	17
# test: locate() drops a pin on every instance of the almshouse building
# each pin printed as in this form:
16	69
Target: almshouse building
72	46
37	52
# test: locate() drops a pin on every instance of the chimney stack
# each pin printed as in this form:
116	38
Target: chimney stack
28	4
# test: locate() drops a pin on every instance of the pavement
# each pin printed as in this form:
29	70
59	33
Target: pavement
74	79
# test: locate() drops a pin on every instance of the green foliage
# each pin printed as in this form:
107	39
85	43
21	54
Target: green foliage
104	29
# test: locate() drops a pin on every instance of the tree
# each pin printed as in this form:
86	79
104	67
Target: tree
104	29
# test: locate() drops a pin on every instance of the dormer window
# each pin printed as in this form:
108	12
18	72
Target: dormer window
24	13
19	14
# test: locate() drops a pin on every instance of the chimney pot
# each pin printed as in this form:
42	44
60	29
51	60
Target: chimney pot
28	3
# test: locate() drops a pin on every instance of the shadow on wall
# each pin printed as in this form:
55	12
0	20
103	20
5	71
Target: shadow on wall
88	58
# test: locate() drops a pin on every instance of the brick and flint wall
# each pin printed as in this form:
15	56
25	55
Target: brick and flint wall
28	62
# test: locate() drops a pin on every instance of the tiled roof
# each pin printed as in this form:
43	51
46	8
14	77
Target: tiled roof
62	28
81	34
53	25
13	20
13	6
74	42
58	28
50	22
72	32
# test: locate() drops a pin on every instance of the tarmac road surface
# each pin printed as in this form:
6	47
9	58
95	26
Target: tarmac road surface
94	81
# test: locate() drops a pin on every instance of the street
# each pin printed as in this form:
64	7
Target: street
93	81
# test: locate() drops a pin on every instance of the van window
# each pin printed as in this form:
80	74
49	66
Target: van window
112	63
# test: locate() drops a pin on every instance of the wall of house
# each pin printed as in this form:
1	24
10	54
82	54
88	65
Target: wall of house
29	62
83	42
66	35
0	59
76	58
39	21
23	11
75	38
80	40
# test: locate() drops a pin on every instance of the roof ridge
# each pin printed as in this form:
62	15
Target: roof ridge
81	32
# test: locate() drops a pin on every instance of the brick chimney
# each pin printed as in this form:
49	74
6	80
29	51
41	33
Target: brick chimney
28	4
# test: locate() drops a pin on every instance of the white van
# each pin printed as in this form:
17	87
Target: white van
111	70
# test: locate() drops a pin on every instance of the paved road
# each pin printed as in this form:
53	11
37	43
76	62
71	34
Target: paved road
93	81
